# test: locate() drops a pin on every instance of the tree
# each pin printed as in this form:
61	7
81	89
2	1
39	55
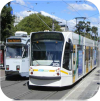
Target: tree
7	20
94	31
81	26
33	23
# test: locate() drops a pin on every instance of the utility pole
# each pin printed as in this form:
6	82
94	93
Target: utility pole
53	26
81	24
66	27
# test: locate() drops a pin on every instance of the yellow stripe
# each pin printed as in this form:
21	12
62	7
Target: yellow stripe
51	70
74	79
91	47
74	46
35	69
64	72
87	47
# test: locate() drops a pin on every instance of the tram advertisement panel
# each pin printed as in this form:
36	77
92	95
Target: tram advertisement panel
80	63
1	57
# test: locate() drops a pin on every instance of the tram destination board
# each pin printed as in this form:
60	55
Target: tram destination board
47	36
13	40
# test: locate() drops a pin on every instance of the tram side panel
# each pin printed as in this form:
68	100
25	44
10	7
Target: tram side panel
78	64
66	71
84	59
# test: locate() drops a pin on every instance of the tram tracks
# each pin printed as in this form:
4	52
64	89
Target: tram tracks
49	95
35	94
10	82
43	94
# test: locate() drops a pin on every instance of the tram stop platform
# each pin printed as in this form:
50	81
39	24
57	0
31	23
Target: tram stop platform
87	88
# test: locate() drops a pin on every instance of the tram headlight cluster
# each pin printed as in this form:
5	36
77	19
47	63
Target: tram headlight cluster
58	71
18	67
31	70
7	67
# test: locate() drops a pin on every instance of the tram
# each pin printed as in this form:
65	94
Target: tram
17	54
59	59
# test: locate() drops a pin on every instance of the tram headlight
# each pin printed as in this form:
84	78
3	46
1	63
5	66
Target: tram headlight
18	67
31	70
7	67
58	71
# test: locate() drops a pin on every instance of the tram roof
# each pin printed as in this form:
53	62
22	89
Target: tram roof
67	34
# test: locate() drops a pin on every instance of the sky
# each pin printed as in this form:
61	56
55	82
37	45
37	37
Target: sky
64	11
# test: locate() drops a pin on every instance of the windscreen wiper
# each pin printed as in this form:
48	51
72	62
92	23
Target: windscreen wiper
36	61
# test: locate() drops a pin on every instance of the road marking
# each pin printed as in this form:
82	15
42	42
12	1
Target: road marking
96	80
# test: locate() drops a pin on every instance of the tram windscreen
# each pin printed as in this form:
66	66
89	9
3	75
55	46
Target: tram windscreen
14	51
46	53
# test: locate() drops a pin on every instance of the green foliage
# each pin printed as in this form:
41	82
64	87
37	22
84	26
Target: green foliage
81	26
7	21
33	23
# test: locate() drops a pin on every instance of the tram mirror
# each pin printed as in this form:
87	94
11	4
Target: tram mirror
70	45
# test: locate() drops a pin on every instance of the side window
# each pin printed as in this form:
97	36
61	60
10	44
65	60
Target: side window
26	51
29	50
66	59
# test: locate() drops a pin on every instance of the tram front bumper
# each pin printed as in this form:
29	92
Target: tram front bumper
45	81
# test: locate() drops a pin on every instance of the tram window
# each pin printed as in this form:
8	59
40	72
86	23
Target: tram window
91	53
66	59
25	52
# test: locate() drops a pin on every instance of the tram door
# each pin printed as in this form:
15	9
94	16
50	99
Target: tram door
80	60
67	57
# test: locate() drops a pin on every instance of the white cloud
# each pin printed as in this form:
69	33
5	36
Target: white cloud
71	23
94	20
77	7
25	13
20	1
50	15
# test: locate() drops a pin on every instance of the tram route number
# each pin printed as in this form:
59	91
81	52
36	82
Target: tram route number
55	64
14	40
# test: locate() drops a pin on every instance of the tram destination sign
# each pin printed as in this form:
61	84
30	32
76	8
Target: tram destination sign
13	40
47	36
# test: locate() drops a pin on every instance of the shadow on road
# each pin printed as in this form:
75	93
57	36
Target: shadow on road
15	78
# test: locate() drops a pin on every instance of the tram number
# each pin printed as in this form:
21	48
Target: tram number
55	64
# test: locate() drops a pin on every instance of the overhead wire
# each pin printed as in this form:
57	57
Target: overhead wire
34	13
47	2
78	12
72	7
